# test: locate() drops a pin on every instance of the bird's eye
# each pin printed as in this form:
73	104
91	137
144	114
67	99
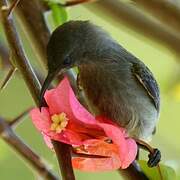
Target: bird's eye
67	60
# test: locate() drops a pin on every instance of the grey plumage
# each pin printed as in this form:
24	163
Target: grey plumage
116	84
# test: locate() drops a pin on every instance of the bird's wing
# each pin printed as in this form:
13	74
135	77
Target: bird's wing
146	79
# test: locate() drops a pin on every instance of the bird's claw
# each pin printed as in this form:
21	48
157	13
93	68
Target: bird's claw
154	158
154	154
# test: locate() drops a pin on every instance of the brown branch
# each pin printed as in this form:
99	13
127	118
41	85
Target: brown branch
31	81
18	53
12	7
31	15
134	172
24	151
64	159
163	10
13	123
118	13
4	54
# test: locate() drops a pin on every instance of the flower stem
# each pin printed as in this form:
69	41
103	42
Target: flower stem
64	159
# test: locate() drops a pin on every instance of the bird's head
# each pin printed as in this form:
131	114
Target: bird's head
70	45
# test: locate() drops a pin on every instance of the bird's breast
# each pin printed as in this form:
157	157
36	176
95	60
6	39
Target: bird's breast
115	94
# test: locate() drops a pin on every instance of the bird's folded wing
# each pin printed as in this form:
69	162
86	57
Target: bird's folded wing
146	79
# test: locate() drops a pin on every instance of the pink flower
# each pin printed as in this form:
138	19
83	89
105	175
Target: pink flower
67	121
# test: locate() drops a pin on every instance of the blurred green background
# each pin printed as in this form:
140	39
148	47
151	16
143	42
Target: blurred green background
166	68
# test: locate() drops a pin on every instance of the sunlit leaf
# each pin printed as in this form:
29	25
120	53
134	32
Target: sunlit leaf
59	14
153	174
76	70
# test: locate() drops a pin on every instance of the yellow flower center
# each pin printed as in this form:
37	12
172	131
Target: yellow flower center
59	122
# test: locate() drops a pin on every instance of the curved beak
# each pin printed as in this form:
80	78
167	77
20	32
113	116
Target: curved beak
45	86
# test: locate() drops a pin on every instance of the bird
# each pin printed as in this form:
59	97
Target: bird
116	84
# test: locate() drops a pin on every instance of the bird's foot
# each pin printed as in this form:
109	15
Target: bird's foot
154	154
154	158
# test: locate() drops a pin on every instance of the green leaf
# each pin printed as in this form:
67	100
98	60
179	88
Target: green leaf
76	70
59	14
153	174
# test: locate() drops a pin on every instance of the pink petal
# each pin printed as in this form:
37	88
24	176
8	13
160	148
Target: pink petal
47	140
63	99
130	154
98	147
67	137
127	147
58	99
41	120
84	117
115	134
71	137
104	119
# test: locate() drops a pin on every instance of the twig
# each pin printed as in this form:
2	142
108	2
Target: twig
18	53
31	81
13	123
4	54
24	151
12	7
8	77
118	13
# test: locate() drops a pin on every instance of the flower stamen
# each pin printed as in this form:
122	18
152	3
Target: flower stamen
59	122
